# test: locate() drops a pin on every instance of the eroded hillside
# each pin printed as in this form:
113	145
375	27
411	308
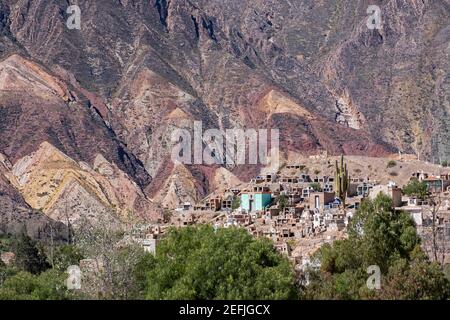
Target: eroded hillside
138	70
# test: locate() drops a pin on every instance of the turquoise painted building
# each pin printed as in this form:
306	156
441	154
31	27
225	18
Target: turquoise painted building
252	202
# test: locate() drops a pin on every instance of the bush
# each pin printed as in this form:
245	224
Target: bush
236	203
29	256
5	273
416	188
315	186
5	242
391	164
49	285
65	256
282	202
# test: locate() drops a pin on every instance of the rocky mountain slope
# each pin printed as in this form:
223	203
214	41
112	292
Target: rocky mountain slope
17	216
137	70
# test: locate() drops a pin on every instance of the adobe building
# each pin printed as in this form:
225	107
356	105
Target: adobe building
307	191
294	166
304	178
214	204
150	243
257	180
270	177
287	179
352	190
396	197
318	200
273	211
435	183
363	189
227	204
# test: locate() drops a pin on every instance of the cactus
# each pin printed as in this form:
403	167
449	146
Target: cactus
342	181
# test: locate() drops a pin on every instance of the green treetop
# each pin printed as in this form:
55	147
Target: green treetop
416	188
377	236
200	263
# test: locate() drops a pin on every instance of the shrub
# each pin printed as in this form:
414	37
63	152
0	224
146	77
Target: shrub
391	164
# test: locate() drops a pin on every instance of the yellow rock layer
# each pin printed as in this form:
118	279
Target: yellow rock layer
47	175
275	102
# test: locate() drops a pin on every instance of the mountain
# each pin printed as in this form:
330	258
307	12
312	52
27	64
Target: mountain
138	70
16	216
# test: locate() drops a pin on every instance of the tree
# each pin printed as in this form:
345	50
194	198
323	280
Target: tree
415	279
200	263
29	257
5	272
416	188
431	237
49	285
167	215
65	256
382	237
147	262
113	256
236	203
5	242
283	202
382	233
434	235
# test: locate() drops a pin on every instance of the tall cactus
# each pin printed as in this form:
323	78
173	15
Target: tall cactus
342	181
